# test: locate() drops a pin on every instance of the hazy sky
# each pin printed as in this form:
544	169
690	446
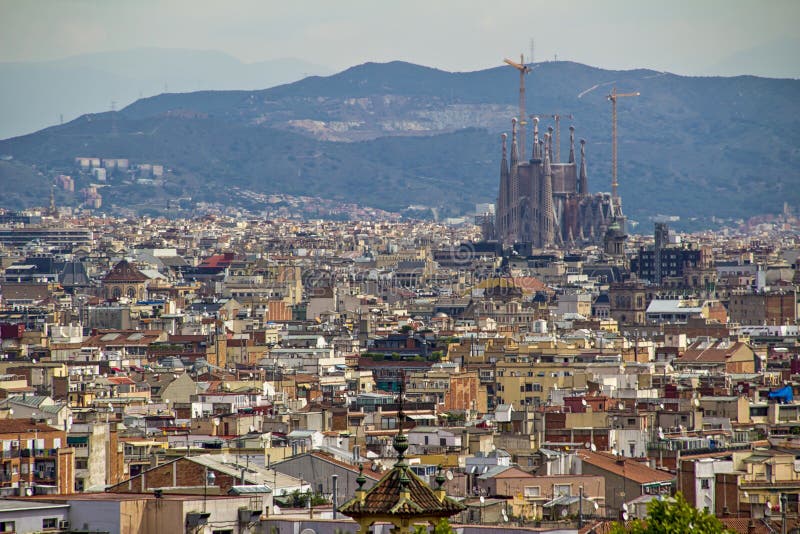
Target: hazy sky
682	36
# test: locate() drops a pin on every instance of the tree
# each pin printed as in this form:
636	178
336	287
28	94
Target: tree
673	516
442	527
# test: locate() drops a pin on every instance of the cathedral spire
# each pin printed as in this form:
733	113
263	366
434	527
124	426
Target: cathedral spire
514	154
547	217
550	142
536	153
571	144
584	179
504	160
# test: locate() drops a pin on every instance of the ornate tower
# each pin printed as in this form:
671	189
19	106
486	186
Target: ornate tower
547	217
583	183
400	497
503	200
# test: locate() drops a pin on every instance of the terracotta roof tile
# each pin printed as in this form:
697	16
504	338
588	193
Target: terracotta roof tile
384	499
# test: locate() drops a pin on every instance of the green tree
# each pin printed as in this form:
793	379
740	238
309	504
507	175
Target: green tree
673	516
442	527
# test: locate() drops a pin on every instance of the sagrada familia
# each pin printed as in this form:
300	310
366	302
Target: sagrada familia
547	203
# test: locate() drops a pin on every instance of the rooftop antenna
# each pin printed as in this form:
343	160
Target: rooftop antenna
532	60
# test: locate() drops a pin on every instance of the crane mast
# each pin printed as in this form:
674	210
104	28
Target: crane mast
613	98
523	70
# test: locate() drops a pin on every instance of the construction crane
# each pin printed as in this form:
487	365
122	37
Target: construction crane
523	70
613	98
557	118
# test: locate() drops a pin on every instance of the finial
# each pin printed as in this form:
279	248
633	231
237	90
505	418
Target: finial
401	440
404	481
361	480
440	478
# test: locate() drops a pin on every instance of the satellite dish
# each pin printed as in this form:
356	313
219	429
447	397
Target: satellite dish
482	499
216	422
564	512
696	402
621	406
661	406
624	507
448	475
166	401
588	444
594	447
11	411
624	516
28	491
583	401
613	451
505	516
596	506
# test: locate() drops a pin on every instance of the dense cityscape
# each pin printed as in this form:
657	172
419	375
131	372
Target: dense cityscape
261	370
334	268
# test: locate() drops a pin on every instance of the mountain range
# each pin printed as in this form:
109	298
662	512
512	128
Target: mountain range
396	134
37	94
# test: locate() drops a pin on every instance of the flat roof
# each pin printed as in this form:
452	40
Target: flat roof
14	505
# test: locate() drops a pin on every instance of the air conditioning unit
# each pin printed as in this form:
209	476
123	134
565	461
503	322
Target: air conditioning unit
63	525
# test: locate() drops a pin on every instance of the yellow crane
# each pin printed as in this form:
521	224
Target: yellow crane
613	98
523	70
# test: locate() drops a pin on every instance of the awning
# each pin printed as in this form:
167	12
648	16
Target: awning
77	440
563	500
420	417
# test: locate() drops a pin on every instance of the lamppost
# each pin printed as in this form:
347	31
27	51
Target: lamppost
209	479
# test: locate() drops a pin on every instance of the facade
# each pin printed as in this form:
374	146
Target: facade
35	456
777	307
124	280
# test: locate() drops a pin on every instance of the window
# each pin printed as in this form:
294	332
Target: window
49	523
532	491
8	526
562	489
705	483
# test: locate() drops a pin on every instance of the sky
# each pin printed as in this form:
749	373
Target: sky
692	37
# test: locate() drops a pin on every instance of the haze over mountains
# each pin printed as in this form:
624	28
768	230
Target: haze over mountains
33	95
396	134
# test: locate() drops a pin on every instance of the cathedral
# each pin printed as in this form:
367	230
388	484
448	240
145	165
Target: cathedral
547	203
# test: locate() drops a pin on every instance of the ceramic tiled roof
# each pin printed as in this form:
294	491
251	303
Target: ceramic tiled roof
385	499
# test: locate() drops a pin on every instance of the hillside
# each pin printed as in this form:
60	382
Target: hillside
391	135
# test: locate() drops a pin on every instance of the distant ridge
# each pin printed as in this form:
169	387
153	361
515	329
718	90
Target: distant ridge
394	134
